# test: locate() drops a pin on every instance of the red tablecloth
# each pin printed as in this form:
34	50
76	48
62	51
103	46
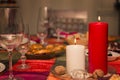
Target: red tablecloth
36	65
116	65
39	70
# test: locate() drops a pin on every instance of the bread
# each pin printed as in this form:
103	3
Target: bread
42	51
50	48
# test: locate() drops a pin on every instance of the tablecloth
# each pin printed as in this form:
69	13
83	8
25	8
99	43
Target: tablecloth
39	70
116	65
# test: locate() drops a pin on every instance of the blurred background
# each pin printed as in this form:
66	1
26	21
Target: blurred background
70	15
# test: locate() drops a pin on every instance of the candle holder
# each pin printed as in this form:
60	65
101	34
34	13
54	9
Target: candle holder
79	74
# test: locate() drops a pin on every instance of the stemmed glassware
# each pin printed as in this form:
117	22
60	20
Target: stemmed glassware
11	33
58	30
23	48
42	34
42	28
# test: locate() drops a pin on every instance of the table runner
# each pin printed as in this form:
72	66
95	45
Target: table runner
39	70
36	65
28	75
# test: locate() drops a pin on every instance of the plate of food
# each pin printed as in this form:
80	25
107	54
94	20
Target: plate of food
38	51
111	55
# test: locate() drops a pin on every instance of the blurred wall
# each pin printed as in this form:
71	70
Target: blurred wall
104	8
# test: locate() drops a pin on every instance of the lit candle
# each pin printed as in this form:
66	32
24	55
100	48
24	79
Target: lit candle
75	58
97	45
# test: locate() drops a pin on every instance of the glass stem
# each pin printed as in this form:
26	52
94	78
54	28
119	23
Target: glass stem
42	41
10	66
58	37
23	58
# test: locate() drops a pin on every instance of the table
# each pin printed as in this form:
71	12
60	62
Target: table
40	69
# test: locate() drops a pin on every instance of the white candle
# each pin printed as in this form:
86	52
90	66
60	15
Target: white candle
75	57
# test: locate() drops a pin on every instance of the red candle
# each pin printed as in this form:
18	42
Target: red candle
97	45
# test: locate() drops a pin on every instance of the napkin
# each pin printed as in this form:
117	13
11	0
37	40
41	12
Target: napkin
64	34
34	38
36	65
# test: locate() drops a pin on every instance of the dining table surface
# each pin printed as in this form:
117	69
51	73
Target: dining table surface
40	69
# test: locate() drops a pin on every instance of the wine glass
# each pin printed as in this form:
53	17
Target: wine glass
23	48
58	30
42	34
11	33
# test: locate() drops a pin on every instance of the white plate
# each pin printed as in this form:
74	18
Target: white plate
62	36
2	67
114	56
25	40
32	42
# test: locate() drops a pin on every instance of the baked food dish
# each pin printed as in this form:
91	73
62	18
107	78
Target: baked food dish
38	51
50	48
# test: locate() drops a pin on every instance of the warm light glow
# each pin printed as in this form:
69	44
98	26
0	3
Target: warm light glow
75	41
99	18
10	37
45	9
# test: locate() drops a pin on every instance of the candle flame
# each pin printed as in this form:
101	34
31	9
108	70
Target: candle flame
99	18
75	41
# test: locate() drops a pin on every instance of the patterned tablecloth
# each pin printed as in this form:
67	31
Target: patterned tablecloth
39	70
